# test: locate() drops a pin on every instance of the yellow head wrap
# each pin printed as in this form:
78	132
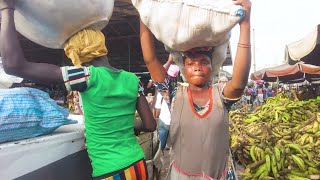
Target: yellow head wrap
85	46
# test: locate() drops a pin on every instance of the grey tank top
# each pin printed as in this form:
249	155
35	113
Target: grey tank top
200	144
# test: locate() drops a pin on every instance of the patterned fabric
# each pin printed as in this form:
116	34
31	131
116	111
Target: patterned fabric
138	171
78	79
202	109
141	89
168	88
85	46
27	113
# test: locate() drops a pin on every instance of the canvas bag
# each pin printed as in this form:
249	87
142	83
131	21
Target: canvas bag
185	24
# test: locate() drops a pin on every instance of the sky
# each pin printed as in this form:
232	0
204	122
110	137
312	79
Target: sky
277	23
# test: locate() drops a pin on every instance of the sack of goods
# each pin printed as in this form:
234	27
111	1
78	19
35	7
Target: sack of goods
185	24
51	23
27	113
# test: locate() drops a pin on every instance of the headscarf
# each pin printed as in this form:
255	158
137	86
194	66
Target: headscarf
85	46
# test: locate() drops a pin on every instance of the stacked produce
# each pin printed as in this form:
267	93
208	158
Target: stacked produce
279	140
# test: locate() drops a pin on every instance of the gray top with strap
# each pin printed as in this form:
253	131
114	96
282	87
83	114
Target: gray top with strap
200	143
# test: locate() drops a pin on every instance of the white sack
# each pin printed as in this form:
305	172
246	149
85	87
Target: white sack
185	24
51	23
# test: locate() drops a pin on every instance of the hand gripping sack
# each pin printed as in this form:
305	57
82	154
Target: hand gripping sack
51	23
27	113
185	24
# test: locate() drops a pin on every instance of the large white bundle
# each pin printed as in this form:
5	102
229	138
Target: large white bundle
185	24
51	22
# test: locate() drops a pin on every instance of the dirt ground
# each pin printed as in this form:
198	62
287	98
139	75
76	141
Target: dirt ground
160	166
164	170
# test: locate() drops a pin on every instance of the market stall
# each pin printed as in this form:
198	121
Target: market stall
306	50
288	73
279	140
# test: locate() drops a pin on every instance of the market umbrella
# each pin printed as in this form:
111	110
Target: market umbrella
289	73
283	73
312	73
306	50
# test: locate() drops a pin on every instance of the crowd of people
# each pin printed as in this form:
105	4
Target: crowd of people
258	93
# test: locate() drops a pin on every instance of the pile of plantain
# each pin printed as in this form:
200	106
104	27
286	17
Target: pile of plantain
278	140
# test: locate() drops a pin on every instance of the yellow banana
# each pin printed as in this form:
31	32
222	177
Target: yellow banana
287	149
299	173
277	153
308	154
252	153
313	170
294	177
295	147
299	162
315	126
276	134
274	166
260	170
316	162
303	139
310	163
268	163
263	175
251	119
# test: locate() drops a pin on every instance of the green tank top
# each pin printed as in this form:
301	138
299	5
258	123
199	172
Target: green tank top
109	105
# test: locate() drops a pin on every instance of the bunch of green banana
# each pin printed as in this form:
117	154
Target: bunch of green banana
279	140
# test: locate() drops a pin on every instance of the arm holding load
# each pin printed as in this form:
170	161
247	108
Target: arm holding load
156	69
234	88
14	61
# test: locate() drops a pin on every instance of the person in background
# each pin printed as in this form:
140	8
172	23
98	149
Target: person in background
254	93
260	94
248	93
269	92
162	105
280	89
110	97
199	129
